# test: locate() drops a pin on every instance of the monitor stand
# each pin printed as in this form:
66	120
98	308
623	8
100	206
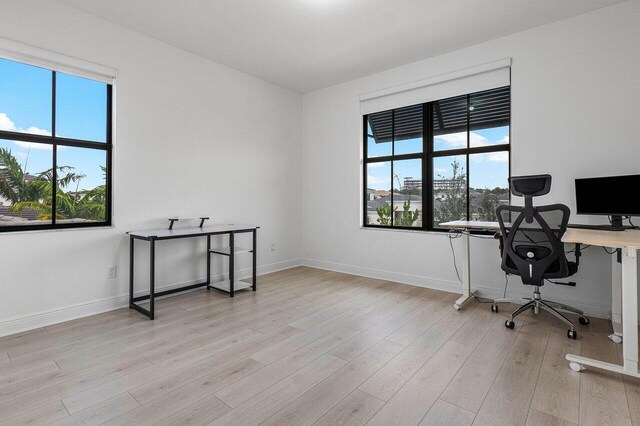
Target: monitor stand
616	223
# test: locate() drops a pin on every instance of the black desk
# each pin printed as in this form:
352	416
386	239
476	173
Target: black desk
171	234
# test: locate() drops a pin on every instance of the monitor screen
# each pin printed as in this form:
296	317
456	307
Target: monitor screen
614	195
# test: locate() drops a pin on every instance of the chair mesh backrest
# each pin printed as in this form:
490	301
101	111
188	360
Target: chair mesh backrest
534	250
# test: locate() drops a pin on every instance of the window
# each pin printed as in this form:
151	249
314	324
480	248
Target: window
55	149
436	162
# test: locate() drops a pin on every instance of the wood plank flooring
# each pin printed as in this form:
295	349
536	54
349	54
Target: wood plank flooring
312	347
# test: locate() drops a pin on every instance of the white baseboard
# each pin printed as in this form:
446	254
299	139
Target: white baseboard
398	277
55	316
596	311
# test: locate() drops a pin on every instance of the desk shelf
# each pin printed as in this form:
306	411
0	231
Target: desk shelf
231	284
225	285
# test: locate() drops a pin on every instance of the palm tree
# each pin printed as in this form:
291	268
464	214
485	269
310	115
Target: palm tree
14	186
89	205
36	193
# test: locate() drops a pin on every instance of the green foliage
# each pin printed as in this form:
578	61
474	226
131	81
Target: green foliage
453	206
408	217
384	214
487	205
36	193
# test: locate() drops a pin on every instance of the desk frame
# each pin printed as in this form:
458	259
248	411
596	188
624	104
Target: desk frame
629	244
152	239
467	226
467	294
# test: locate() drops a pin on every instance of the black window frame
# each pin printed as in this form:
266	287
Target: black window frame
427	156
56	141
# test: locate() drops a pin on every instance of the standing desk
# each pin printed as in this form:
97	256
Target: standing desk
152	236
629	242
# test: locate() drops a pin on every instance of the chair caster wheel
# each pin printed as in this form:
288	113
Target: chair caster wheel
510	324
494	308
576	367
572	334
583	320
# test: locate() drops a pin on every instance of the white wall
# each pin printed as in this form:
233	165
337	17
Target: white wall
575	113
193	137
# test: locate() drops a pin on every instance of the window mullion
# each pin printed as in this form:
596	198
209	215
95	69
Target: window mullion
468	216
109	153
393	151
54	149
428	166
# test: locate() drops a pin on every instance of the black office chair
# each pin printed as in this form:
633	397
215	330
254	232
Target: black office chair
531	247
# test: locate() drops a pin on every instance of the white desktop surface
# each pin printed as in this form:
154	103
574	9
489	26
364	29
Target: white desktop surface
618	239
191	231
471	224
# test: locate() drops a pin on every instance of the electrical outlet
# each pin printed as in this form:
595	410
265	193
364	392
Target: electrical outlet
111	272
273	246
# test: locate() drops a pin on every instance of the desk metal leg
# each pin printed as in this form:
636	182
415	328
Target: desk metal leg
255	251
208	261
231	264
630	308
466	273
131	251
152	278
629	322
616	298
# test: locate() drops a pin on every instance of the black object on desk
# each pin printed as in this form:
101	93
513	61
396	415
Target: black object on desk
599	227
608	196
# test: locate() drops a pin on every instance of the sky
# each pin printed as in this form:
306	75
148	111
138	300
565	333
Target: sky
488	170
81	113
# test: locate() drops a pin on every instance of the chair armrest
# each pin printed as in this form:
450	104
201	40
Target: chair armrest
578	253
498	236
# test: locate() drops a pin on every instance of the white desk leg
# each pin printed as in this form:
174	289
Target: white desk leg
629	322
616	299
630	308
466	272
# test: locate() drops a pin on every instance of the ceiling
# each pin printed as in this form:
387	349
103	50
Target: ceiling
309	44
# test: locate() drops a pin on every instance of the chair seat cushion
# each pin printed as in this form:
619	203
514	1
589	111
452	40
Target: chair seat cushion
572	268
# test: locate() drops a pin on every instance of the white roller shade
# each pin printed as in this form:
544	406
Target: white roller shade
483	77
31	55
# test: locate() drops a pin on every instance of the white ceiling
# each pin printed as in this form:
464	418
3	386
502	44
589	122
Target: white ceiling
308	44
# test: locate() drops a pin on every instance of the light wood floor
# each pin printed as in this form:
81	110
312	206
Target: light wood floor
311	347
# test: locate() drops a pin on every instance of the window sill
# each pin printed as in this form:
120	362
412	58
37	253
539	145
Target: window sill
42	231
444	232
408	231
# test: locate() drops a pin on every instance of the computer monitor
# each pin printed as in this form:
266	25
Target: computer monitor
614	196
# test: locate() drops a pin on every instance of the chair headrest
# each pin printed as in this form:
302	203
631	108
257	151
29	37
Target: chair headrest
530	186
